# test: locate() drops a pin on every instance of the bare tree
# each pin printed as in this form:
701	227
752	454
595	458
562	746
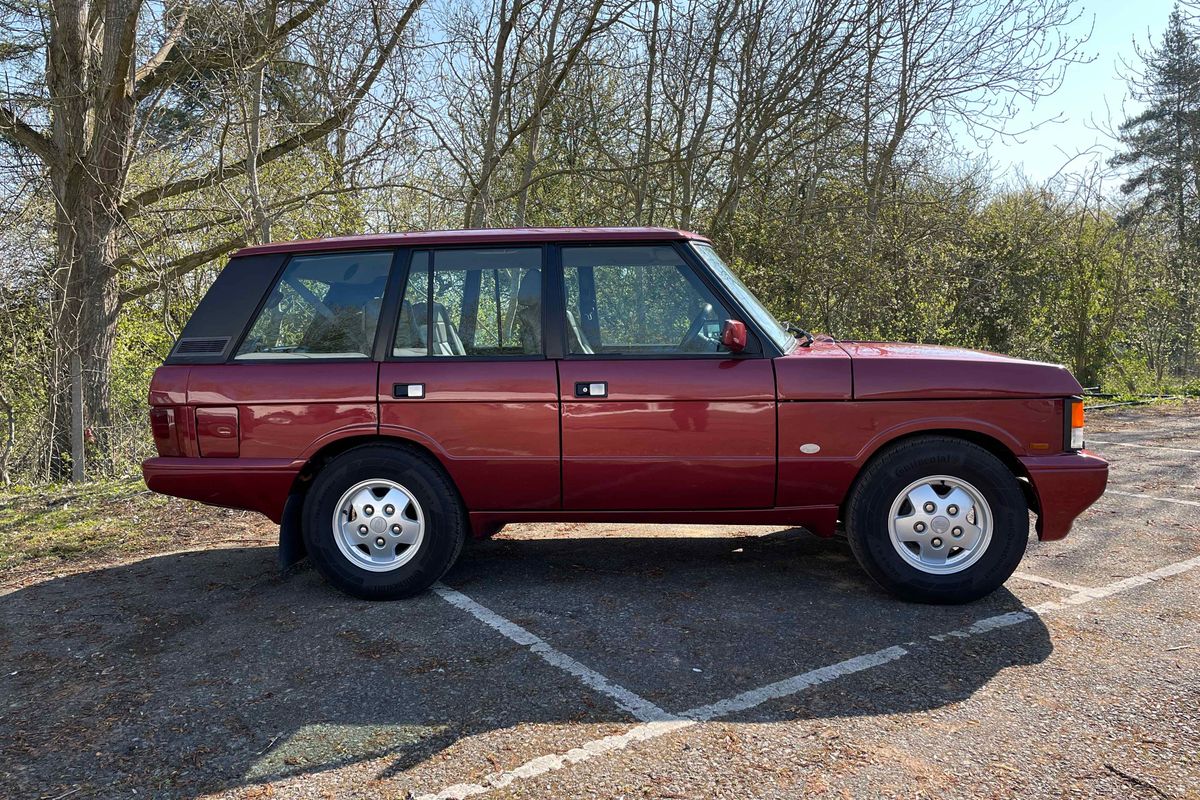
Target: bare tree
932	63
502	68
107	82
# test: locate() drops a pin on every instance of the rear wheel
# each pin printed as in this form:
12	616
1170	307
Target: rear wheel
383	522
939	520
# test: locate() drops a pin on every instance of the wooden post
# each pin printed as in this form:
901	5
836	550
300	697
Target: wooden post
77	463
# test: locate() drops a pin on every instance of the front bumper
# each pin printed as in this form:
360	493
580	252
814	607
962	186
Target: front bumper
1063	486
253	484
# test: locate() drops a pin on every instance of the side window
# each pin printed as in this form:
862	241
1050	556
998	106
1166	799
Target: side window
472	303
324	306
641	300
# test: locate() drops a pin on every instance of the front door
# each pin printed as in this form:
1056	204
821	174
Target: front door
465	374
656	414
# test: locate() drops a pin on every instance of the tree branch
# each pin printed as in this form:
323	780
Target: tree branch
176	62
147	70
21	133
279	150
181	266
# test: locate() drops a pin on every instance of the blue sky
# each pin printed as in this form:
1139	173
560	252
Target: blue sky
1092	96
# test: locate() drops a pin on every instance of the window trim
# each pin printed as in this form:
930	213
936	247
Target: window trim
274	283
763	344
754	347
383	350
749	319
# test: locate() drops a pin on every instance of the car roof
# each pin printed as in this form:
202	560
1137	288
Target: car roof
481	236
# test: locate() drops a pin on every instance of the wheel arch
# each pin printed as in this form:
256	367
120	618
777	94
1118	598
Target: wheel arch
291	542
988	442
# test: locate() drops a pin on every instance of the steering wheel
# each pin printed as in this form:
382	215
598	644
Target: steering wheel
702	318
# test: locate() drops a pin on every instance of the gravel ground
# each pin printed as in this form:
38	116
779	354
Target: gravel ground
207	674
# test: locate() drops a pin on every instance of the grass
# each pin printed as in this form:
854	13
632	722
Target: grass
55	527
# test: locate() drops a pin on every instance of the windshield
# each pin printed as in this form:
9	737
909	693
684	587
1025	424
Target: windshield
765	319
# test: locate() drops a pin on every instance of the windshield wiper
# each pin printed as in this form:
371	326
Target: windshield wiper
796	329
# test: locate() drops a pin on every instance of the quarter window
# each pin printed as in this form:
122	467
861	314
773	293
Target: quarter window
472	303
641	300
324	306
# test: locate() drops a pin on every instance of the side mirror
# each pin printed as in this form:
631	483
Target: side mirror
733	336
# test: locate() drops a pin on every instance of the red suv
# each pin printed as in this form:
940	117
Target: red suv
382	397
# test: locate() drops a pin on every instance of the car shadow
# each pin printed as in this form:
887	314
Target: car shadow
207	670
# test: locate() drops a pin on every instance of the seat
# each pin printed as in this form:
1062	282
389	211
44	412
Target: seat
410	337
576	341
344	322
529	312
445	338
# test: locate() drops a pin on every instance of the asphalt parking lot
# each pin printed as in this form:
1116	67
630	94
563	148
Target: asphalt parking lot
632	661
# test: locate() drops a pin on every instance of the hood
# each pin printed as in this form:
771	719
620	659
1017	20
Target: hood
893	371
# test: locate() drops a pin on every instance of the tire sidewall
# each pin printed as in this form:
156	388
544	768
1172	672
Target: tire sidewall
871	508
439	546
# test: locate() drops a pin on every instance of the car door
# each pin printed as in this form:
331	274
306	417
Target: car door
656	414
465	374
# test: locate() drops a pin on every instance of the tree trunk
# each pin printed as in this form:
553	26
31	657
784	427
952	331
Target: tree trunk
10	436
86	323
254	136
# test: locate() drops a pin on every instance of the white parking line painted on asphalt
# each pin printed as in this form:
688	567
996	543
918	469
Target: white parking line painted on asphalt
1154	497
1170	570
743	702
793	685
652	730
986	625
641	708
1145	446
548	763
1029	577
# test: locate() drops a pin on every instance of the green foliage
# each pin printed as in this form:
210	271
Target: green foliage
1161	147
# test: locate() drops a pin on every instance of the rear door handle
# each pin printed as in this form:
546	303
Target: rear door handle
591	389
408	391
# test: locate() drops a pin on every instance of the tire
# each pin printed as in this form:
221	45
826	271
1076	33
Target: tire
403	552
900	546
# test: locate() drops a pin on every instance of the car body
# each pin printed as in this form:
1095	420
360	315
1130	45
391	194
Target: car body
588	374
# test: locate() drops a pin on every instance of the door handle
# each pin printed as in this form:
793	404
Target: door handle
408	391
591	389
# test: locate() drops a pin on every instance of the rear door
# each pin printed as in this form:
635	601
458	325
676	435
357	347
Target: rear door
465	373
656	414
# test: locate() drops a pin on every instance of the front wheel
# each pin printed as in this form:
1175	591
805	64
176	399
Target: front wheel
383	522
938	520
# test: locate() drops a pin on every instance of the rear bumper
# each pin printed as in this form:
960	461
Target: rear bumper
1064	485
253	484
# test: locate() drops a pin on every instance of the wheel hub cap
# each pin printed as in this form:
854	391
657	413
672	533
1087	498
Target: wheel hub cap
378	525
930	508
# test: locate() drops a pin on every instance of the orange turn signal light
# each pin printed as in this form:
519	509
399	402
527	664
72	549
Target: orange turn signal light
1075	432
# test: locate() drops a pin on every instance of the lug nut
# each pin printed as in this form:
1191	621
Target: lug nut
362	528
368	510
395	529
956	531
379	542
952	510
929	507
936	542
919	527
389	510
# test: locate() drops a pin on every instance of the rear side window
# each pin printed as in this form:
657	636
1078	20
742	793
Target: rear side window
324	306
472	303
